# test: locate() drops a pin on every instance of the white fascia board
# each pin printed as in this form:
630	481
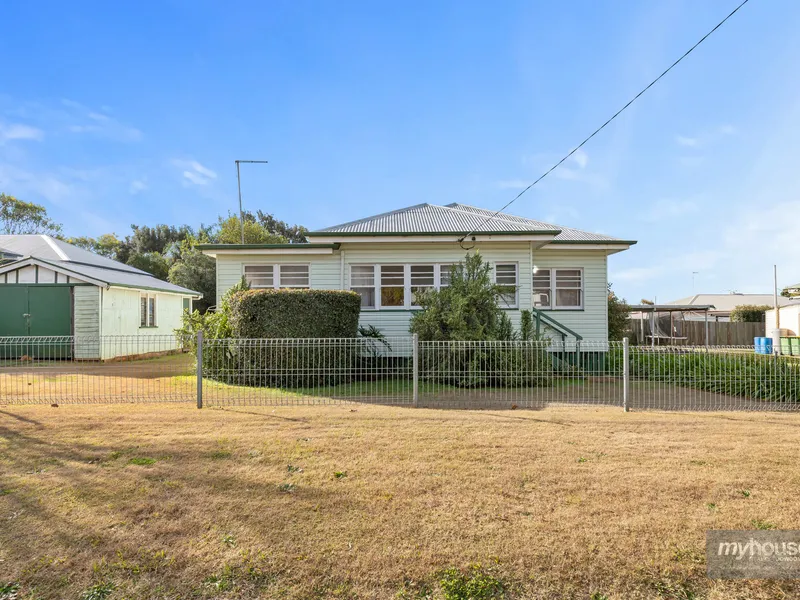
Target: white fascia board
607	248
269	251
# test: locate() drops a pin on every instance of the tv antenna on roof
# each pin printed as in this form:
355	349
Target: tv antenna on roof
239	184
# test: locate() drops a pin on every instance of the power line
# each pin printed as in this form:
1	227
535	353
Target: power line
599	129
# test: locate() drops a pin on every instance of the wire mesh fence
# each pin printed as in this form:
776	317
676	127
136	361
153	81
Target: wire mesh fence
397	371
74	369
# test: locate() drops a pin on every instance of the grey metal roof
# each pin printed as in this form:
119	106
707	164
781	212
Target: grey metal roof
457	218
82	262
725	303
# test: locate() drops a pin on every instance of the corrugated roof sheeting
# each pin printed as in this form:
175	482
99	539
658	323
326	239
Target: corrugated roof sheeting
83	262
457	218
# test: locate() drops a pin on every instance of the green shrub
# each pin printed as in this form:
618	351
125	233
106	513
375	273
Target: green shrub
516	364
749	313
467	309
295	314
743	375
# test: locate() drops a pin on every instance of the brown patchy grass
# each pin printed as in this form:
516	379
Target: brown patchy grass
166	501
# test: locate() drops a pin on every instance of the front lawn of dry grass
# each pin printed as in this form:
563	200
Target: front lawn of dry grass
355	501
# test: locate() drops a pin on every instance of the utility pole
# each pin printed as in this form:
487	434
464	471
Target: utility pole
239	184
693	275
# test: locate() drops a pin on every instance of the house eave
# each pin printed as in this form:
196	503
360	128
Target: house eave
313	248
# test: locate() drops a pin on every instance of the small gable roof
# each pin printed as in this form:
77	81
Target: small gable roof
458	218
61	255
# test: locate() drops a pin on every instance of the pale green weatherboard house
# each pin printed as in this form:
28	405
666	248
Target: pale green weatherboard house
51	288
560	271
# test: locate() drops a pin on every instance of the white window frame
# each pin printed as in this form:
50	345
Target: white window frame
515	306
148	313
553	289
376	287
407	296
276	275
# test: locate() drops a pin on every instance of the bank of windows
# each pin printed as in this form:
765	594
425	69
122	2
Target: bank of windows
276	276
147	310
399	286
558	289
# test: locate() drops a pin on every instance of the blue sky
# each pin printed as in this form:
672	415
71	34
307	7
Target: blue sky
120	113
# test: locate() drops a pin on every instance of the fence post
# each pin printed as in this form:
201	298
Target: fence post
625	372
200	369
415	367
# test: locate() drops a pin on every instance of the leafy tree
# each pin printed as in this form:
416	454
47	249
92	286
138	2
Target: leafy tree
467	309
152	262
107	245
197	272
229	231
749	313
20	218
618	311
296	234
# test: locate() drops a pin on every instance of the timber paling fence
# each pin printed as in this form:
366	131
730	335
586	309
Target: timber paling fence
401	371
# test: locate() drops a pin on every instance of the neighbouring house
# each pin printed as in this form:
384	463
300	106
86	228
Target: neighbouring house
723	304
792	290
51	288
560	272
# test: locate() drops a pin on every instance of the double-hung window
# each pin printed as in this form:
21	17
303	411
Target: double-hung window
542	290
147	310
505	275
362	281
276	276
422	278
569	288
260	276
293	276
445	274
393	286
558	288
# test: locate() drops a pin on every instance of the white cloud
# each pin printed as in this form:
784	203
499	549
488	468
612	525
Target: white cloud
21	182
17	131
136	186
683	140
580	158
513	184
728	130
80	119
194	173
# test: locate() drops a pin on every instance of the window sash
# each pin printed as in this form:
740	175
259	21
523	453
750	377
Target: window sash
276	276
293	276
147	311
143	311
505	275
393	286
362	281
445	274
422	277
564	288
260	276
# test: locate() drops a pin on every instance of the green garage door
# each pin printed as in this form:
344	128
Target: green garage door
36	310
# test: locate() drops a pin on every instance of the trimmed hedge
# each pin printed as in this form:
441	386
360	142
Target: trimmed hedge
258	316
295	314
